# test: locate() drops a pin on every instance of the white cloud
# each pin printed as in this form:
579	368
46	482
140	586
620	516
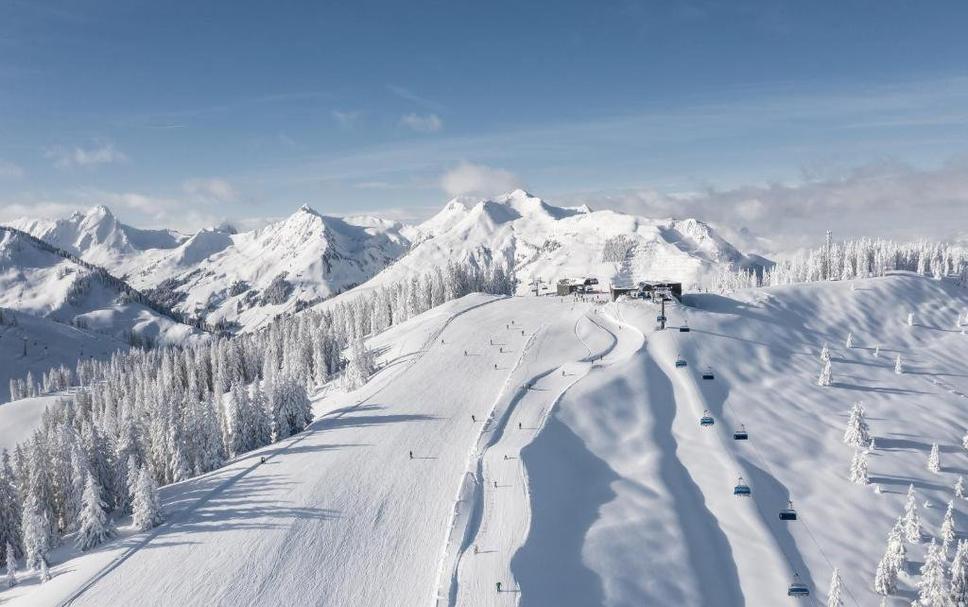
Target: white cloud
430	123
9	170
210	190
98	153
477	179
885	199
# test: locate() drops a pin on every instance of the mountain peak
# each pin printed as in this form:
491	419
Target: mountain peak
99	211
307	209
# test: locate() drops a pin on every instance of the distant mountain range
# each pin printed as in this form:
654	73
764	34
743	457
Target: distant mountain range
242	280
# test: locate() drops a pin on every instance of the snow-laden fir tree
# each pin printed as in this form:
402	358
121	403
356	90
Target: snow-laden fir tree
947	533
877	350
964	441
859	468
824	379
95	528
360	366
850	340
912	520
898	368
910	319
44	570
857	433
835	594
959	575
10	516
934	459
893	561
146	508
960	487
35	530
824	354
933	587
11	557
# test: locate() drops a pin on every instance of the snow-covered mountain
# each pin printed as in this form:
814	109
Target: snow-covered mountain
41	280
99	238
243	280
550	243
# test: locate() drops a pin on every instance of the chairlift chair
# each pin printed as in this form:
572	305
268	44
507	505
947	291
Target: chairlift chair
706	419
680	362
798	589
708	374
742	489
741	433
788	513
683	328
660	318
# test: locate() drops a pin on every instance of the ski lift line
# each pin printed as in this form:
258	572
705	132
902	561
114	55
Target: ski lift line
766	464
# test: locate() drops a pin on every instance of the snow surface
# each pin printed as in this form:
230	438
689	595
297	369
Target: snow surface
611	494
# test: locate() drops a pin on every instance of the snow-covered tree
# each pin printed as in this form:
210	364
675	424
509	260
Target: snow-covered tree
824	354
44	570
934	459
948	528
824	379
910	319
850	340
964	441
891	564
35	531
933	587
95	528
146	508
959	574
11	558
859	468
877	350
912	521
960	487
857	433
898	367
835	594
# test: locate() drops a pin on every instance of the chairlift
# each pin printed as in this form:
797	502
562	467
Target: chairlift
788	513
708	374
741	433
683	328
742	489
660	318
798	589
706	419
680	362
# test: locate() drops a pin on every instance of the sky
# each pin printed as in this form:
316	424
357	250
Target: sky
783	118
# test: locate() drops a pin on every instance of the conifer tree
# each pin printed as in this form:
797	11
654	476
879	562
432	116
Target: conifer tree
44	570
850	340
934	459
858	468
824	379
959	574
933	587
147	509
891	564
857	433
11	558
898	367
960	487
948	529
95	528
835	594
912	521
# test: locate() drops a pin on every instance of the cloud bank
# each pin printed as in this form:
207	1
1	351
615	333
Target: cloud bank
478	180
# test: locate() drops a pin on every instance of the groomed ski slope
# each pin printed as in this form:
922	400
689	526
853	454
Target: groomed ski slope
611	493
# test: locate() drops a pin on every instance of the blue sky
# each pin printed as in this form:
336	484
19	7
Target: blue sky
188	112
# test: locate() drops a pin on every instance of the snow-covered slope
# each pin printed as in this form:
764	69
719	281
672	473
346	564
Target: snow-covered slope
583	477
43	281
48	344
551	243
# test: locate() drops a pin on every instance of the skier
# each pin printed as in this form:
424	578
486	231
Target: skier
499	586
473	418
411	455
519	426
522	332
501	349
495	484
476	549
490	341
262	459
505	456
562	372
465	352
495	366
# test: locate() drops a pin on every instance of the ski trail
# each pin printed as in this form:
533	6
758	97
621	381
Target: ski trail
502	517
372	390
